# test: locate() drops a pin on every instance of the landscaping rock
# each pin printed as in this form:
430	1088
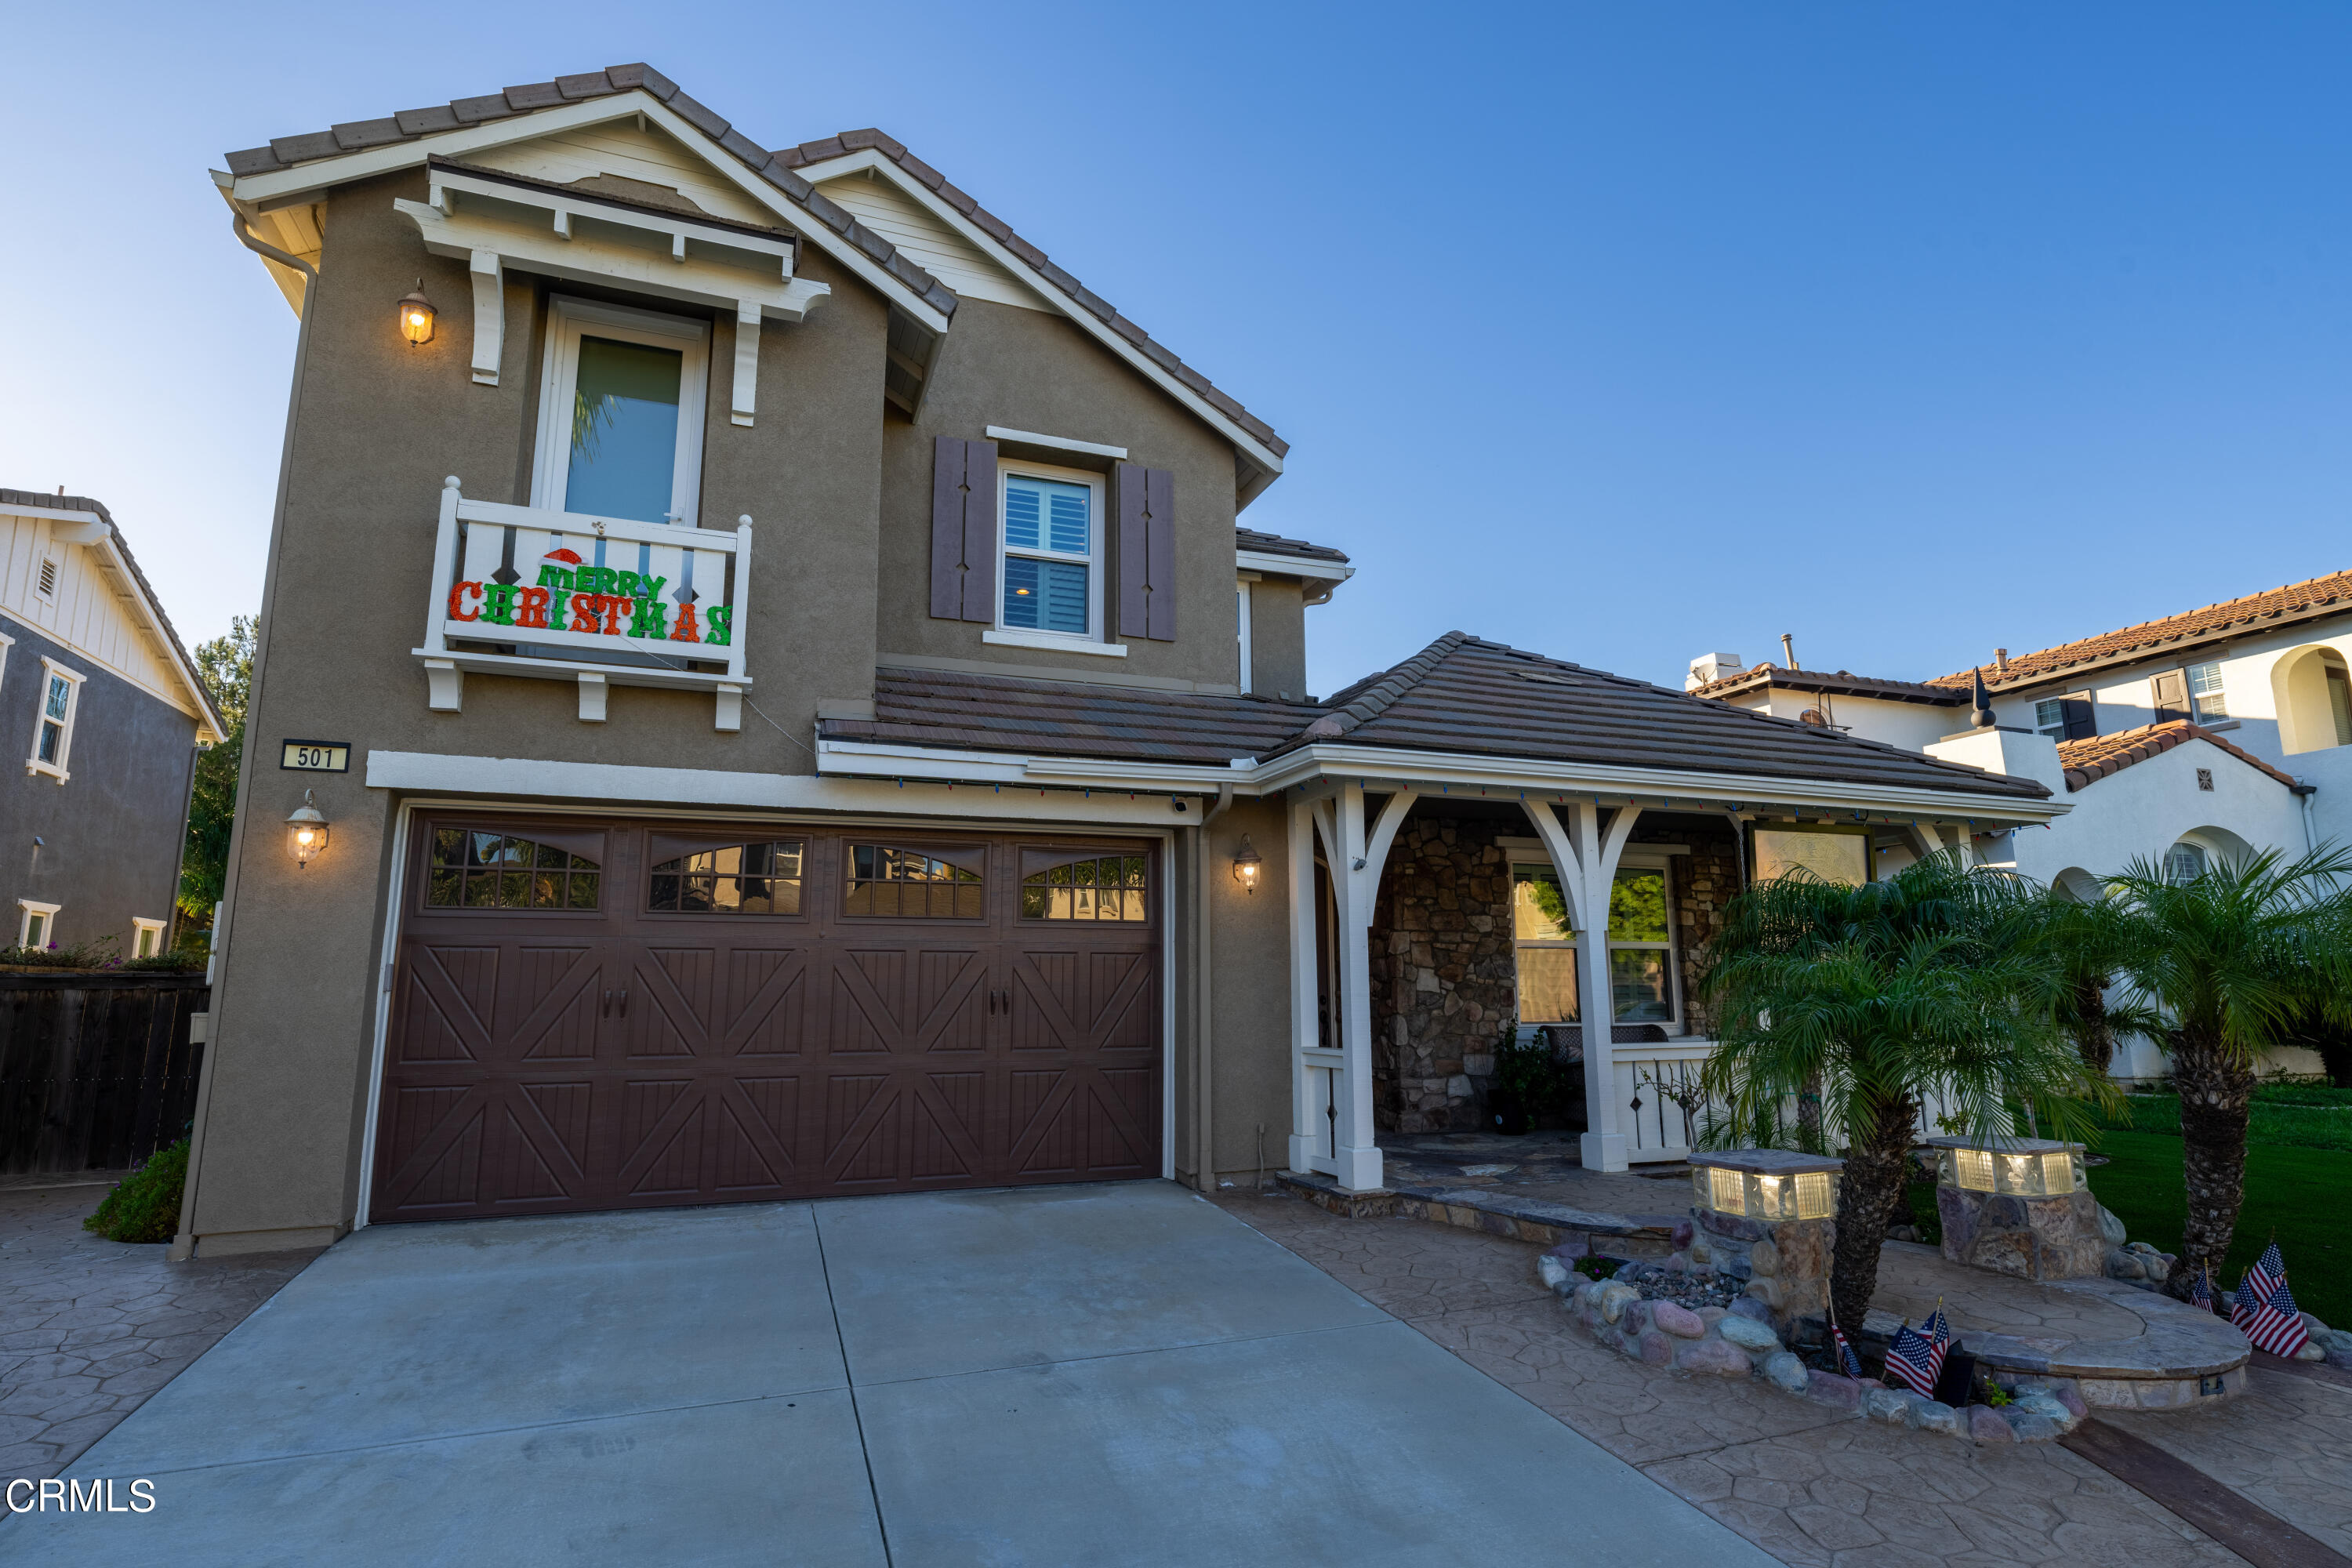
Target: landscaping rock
1887	1404
2312	1350
1782	1370
1827	1388
1656	1349
1555	1274
2142	1248
1680	1322
1634	1318
2112	1228
1713	1357
1985	1425
1711	1316
2042	1402
1683	1234
1930	1415
2028	1427
2125	1265
1611	1299
2069	1396
1745	1333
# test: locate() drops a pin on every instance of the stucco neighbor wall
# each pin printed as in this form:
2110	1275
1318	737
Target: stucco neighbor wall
111	832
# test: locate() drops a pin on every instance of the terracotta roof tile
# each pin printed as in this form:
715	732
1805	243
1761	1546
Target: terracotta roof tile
2227	617
1836	682
2095	757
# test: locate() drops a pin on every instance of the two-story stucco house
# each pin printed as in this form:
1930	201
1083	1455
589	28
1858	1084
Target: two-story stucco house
818	725
106	712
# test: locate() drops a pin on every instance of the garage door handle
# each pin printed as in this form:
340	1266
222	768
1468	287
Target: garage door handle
624	1001
608	1004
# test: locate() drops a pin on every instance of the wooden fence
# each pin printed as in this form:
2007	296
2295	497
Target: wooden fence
96	1071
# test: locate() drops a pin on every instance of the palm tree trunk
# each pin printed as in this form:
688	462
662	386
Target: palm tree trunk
2091	1036
2216	1095
1877	1165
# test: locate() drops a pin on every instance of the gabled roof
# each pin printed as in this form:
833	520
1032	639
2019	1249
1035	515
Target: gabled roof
2096	757
971	711
1836	683
779	170
2331	595
145	591
1251	542
1464	694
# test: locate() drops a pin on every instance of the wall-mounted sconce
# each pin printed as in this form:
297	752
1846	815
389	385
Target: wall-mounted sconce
306	833
1247	864
416	315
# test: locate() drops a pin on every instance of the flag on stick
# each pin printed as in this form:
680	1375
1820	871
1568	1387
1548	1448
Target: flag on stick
2200	1290
1916	1359
2266	1312
1848	1362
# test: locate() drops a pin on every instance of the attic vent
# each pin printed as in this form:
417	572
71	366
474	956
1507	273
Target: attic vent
2205	779
48	578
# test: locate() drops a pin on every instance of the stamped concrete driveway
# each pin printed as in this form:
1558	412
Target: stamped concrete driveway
1103	1374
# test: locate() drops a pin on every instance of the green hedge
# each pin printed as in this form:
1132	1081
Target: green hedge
145	1206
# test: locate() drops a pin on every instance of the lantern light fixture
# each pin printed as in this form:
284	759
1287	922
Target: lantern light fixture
306	833
415	313
1247	864
2008	1167
1768	1185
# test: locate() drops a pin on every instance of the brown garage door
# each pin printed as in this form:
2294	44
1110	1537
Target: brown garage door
602	1014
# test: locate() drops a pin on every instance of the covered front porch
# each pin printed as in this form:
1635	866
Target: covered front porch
1436	914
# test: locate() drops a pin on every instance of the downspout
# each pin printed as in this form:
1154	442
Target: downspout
183	1246
1204	1163
2303	790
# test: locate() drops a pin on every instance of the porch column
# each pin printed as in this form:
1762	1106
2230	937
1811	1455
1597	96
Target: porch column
1306	1110
1586	857
1355	852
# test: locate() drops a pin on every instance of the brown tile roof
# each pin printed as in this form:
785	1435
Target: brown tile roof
1095	305
1054	718
2096	757
2229	617
1462	693
1836	682
146	589
1251	540
776	168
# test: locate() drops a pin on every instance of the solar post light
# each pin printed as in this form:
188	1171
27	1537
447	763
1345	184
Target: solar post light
1768	1216
2018	1207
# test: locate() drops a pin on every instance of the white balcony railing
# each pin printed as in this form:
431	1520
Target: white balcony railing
601	600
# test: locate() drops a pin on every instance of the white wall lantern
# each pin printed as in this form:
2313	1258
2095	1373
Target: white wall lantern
1247	864
306	833
417	315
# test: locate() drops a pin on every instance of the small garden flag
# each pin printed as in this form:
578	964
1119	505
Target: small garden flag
2200	1290
1916	1359
2266	1312
1848	1362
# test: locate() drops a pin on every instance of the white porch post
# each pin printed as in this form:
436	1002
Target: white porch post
1306	1115
1354	856
1586	859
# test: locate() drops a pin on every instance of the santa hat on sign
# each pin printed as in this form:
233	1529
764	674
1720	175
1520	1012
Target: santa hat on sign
563	557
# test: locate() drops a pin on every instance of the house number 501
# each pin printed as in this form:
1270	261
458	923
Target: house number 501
316	756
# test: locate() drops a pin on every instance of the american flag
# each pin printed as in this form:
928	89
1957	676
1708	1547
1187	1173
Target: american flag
2200	1290
1916	1359
1848	1362
2266	1312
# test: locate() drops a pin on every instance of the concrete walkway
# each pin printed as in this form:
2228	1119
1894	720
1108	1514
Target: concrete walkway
1115	1374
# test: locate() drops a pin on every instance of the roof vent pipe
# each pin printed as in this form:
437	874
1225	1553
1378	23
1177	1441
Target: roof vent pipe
2001	661
1789	650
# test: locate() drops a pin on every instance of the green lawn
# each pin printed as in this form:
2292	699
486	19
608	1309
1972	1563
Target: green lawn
2300	1191
2306	1118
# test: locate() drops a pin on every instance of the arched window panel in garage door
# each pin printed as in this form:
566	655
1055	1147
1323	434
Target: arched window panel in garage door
1063	885
759	877
471	868
891	882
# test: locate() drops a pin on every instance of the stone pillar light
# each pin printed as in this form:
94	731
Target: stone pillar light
2018	1207
1768	1216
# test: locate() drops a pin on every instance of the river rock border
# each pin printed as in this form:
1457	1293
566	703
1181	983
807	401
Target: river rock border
1737	1341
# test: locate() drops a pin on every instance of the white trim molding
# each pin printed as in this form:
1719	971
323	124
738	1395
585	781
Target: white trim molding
1017	638
51	673
1292	566
141	930
30	909
1058	443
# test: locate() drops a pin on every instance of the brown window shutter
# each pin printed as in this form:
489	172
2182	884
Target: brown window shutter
2082	719
1147	553
963	529
2172	693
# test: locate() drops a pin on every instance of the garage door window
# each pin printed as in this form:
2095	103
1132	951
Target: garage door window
909	884
739	880
498	871
1098	888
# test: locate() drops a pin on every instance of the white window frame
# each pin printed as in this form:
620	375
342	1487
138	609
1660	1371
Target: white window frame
30	909
2042	724
51	670
1636	858
141	930
1099	528
7	642
2218	694
1242	585
568	320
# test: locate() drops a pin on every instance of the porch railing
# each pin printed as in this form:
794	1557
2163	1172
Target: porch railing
526	591
1659	1106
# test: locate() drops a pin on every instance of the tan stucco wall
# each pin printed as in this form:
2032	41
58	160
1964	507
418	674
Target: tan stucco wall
1278	639
1024	370
1249	958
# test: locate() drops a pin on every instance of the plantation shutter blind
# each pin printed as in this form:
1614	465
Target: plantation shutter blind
1147	552
963	529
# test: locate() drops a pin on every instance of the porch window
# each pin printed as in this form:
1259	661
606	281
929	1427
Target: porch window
1052	546
621	413
1641	947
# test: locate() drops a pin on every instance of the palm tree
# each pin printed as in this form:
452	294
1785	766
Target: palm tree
1937	983
2247	956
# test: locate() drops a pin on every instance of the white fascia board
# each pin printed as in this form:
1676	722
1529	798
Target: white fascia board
869	757
308	181
1423	768
873	159
560	670
1292	565
704	789
49	514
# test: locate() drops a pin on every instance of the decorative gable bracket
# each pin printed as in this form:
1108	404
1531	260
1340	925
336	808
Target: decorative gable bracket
492	223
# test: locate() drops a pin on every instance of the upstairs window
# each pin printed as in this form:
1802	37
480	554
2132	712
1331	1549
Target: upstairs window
2184	862
2206	700
739	880
2067	718
910	884
473	871
53	728
621	413
1053	534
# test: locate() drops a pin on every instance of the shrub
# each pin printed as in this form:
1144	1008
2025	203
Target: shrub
178	961
145	1206
83	956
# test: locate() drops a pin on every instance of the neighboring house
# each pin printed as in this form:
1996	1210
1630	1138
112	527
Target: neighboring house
106	712
833	735
2218	732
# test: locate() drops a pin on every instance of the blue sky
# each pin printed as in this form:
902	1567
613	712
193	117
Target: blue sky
1619	333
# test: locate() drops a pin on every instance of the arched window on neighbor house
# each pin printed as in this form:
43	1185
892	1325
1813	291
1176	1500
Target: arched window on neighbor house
2314	690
